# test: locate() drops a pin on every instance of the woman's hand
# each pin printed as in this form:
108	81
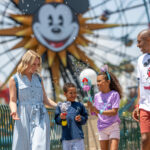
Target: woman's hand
14	116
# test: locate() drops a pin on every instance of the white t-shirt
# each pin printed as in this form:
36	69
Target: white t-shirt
143	74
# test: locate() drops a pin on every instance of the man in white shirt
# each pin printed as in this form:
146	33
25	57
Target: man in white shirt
141	112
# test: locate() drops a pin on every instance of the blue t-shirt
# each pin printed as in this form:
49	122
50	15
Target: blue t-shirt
73	130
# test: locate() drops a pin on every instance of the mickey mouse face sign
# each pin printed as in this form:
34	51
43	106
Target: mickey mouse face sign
55	29
55	26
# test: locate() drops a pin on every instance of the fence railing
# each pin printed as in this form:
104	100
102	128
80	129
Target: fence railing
129	140
129	134
6	130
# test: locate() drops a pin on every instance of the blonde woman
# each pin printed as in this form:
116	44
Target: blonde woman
27	99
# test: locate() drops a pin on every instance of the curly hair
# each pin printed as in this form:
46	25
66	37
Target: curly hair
114	83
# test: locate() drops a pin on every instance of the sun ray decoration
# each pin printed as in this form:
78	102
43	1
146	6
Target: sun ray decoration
54	58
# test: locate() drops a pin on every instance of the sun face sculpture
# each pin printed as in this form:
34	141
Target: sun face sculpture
55	28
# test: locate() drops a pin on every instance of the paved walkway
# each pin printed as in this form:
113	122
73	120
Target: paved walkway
93	133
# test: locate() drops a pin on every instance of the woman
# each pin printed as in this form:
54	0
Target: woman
27	99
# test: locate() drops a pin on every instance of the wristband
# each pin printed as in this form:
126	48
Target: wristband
101	111
136	106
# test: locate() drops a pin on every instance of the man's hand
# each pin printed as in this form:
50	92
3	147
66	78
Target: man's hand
136	114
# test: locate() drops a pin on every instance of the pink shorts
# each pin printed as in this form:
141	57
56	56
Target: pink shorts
111	132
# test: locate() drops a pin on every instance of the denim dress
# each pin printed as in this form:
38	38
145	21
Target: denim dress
32	131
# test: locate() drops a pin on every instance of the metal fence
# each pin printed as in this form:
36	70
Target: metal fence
129	135
6	130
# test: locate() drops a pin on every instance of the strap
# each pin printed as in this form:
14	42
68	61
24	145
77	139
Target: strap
16	82
39	78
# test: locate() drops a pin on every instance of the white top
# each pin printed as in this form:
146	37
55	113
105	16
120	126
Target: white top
143	74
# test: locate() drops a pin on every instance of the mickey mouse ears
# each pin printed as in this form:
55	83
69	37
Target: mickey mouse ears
28	6
31	6
79	6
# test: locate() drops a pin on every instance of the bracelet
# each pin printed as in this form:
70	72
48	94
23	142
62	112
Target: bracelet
101	111
136	106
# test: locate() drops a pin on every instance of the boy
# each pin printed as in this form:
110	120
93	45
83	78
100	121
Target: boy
72	134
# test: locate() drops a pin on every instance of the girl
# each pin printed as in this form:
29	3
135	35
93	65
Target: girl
106	105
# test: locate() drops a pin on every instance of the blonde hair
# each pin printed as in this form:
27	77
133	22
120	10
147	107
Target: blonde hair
28	59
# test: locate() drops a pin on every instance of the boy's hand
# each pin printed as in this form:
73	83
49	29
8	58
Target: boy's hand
78	118
136	114
63	115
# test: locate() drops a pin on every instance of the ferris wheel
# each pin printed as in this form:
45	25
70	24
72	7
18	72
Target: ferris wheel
71	35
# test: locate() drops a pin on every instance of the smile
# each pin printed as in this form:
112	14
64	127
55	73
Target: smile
58	43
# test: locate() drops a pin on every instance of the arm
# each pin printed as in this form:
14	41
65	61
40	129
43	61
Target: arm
82	118
136	111
47	101
57	115
138	96
13	99
111	112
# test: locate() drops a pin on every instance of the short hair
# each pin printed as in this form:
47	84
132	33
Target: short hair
145	33
67	86
28	59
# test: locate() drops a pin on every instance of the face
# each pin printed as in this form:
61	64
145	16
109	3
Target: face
102	83
71	94
143	43
55	28
34	67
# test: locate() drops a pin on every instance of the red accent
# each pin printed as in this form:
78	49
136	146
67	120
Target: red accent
56	45
64	113
85	80
147	87
5	94
136	106
148	73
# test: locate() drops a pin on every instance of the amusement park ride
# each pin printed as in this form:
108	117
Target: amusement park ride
70	32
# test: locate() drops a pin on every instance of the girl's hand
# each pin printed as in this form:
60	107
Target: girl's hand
78	118
14	116
89	104
63	116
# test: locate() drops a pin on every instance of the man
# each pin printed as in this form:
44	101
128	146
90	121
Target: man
141	112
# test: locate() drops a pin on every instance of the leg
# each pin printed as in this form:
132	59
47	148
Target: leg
104	144
145	139
114	144
78	145
66	145
145	129
114	136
